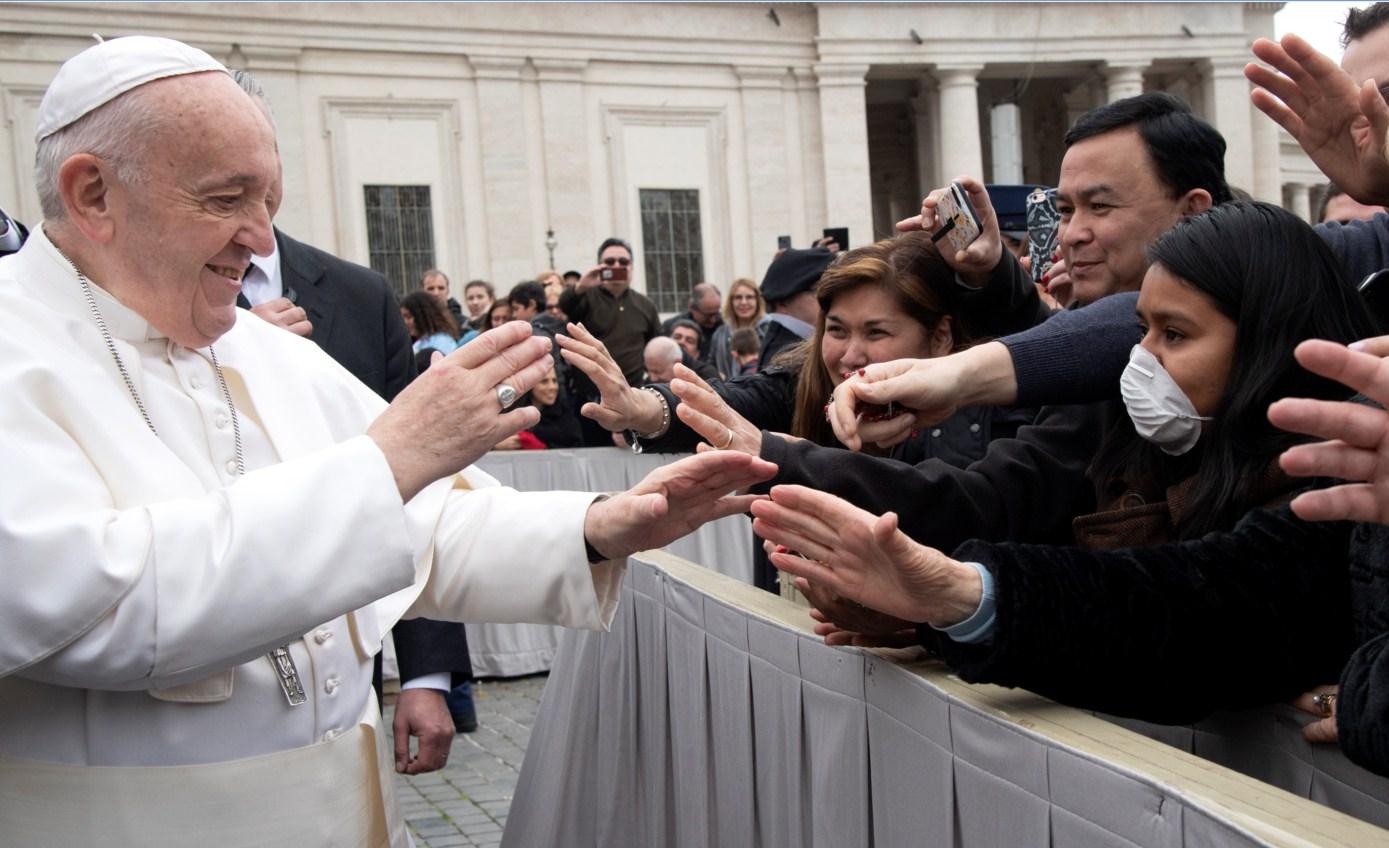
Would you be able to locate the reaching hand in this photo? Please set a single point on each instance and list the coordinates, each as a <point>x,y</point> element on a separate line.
<point>711,417</point>
<point>460,390</point>
<point>1320,702</point>
<point>674,500</point>
<point>619,407</point>
<point>926,391</point>
<point>1340,124</point>
<point>843,622</point>
<point>592,277</point>
<point>1057,283</point>
<point>1357,446</point>
<point>285,315</point>
<point>864,558</point>
<point>424,714</point>
<point>983,254</point>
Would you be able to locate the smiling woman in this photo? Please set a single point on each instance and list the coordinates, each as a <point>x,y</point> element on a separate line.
<point>1192,576</point>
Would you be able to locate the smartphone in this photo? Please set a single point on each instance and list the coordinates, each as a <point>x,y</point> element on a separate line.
<point>614,274</point>
<point>839,235</point>
<point>1375,290</point>
<point>783,242</point>
<point>1043,224</point>
<point>959,222</point>
<point>878,411</point>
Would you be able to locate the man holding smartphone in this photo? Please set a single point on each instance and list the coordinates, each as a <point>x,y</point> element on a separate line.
<point>624,320</point>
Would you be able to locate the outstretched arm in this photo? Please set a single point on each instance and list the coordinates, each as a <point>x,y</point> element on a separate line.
<point>1357,436</point>
<point>1340,123</point>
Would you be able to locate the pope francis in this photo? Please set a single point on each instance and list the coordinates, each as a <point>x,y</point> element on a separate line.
<point>206,523</point>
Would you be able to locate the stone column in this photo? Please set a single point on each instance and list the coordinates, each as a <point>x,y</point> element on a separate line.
<point>1300,201</point>
<point>844,139</point>
<point>925,119</point>
<point>1122,81</point>
<point>767,157</point>
<point>1267,160</point>
<point>961,149</point>
<point>1228,109</point>
<point>506,171</point>
<point>803,124</point>
<point>564,130</point>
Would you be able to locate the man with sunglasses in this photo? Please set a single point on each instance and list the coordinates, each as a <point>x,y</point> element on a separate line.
<point>623,319</point>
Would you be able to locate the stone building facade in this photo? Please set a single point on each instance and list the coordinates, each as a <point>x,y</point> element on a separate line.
<point>458,135</point>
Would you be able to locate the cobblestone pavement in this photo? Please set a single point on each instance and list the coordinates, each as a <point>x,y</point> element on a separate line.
<point>466,802</point>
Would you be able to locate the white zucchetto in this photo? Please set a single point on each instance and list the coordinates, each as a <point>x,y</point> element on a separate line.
<point>105,71</point>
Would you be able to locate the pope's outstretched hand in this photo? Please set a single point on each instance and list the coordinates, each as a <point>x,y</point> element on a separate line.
<point>451,414</point>
<point>674,500</point>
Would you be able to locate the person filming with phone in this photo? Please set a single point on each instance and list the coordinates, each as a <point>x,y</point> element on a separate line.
<point>623,319</point>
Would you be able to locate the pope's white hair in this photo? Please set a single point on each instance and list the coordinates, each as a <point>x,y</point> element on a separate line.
<point>116,132</point>
<point>666,348</point>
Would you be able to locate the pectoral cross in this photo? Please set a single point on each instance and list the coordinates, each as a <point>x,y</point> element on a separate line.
<point>288,674</point>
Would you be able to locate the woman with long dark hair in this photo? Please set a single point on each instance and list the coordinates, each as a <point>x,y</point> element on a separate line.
<point>430,325</point>
<point>889,300</point>
<point>1191,577</point>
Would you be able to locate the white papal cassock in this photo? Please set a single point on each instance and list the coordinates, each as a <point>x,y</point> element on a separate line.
<point>143,582</point>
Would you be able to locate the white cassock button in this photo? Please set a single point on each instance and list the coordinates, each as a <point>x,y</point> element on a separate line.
<point>322,635</point>
<point>935,434</point>
<point>222,421</point>
<point>331,684</point>
<point>974,428</point>
<point>231,466</point>
<point>331,735</point>
<point>195,383</point>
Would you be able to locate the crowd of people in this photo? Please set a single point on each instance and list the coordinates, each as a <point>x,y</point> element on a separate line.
<point>1124,484</point>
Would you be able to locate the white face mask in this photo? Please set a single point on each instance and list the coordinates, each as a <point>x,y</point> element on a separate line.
<point>1160,410</point>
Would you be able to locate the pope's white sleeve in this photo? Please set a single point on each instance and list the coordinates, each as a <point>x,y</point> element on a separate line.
<point>507,556</point>
<point>219,578</point>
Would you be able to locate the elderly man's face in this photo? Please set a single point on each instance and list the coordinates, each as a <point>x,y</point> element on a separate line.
<point>184,236</point>
<point>658,369</point>
<point>706,310</point>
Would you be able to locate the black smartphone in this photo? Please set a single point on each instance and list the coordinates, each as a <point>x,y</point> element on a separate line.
<point>839,235</point>
<point>1375,290</point>
<point>783,242</point>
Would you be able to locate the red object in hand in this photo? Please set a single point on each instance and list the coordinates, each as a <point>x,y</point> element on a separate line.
<point>529,441</point>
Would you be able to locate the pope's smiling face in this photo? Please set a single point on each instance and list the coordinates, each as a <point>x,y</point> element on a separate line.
<point>185,230</point>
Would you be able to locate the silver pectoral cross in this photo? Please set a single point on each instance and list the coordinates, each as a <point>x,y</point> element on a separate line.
<point>288,674</point>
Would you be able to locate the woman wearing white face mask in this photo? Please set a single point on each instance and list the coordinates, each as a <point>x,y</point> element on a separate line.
<point>1192,603</point>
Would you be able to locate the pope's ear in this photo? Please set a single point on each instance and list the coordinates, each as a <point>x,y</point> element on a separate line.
<point>85,185</point>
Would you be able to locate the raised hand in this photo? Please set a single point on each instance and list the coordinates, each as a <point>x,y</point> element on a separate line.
<point>1341,124</point>
<point>1357,446</point>
<point>620,407</point>
<point>864,558</point>
<point>674,500</point>
<point>976,261</point>
<point>928,391</point>
<point>451,415</point>
<point>711,417</point>
<point>284,314</point>
<point>845,622</point>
